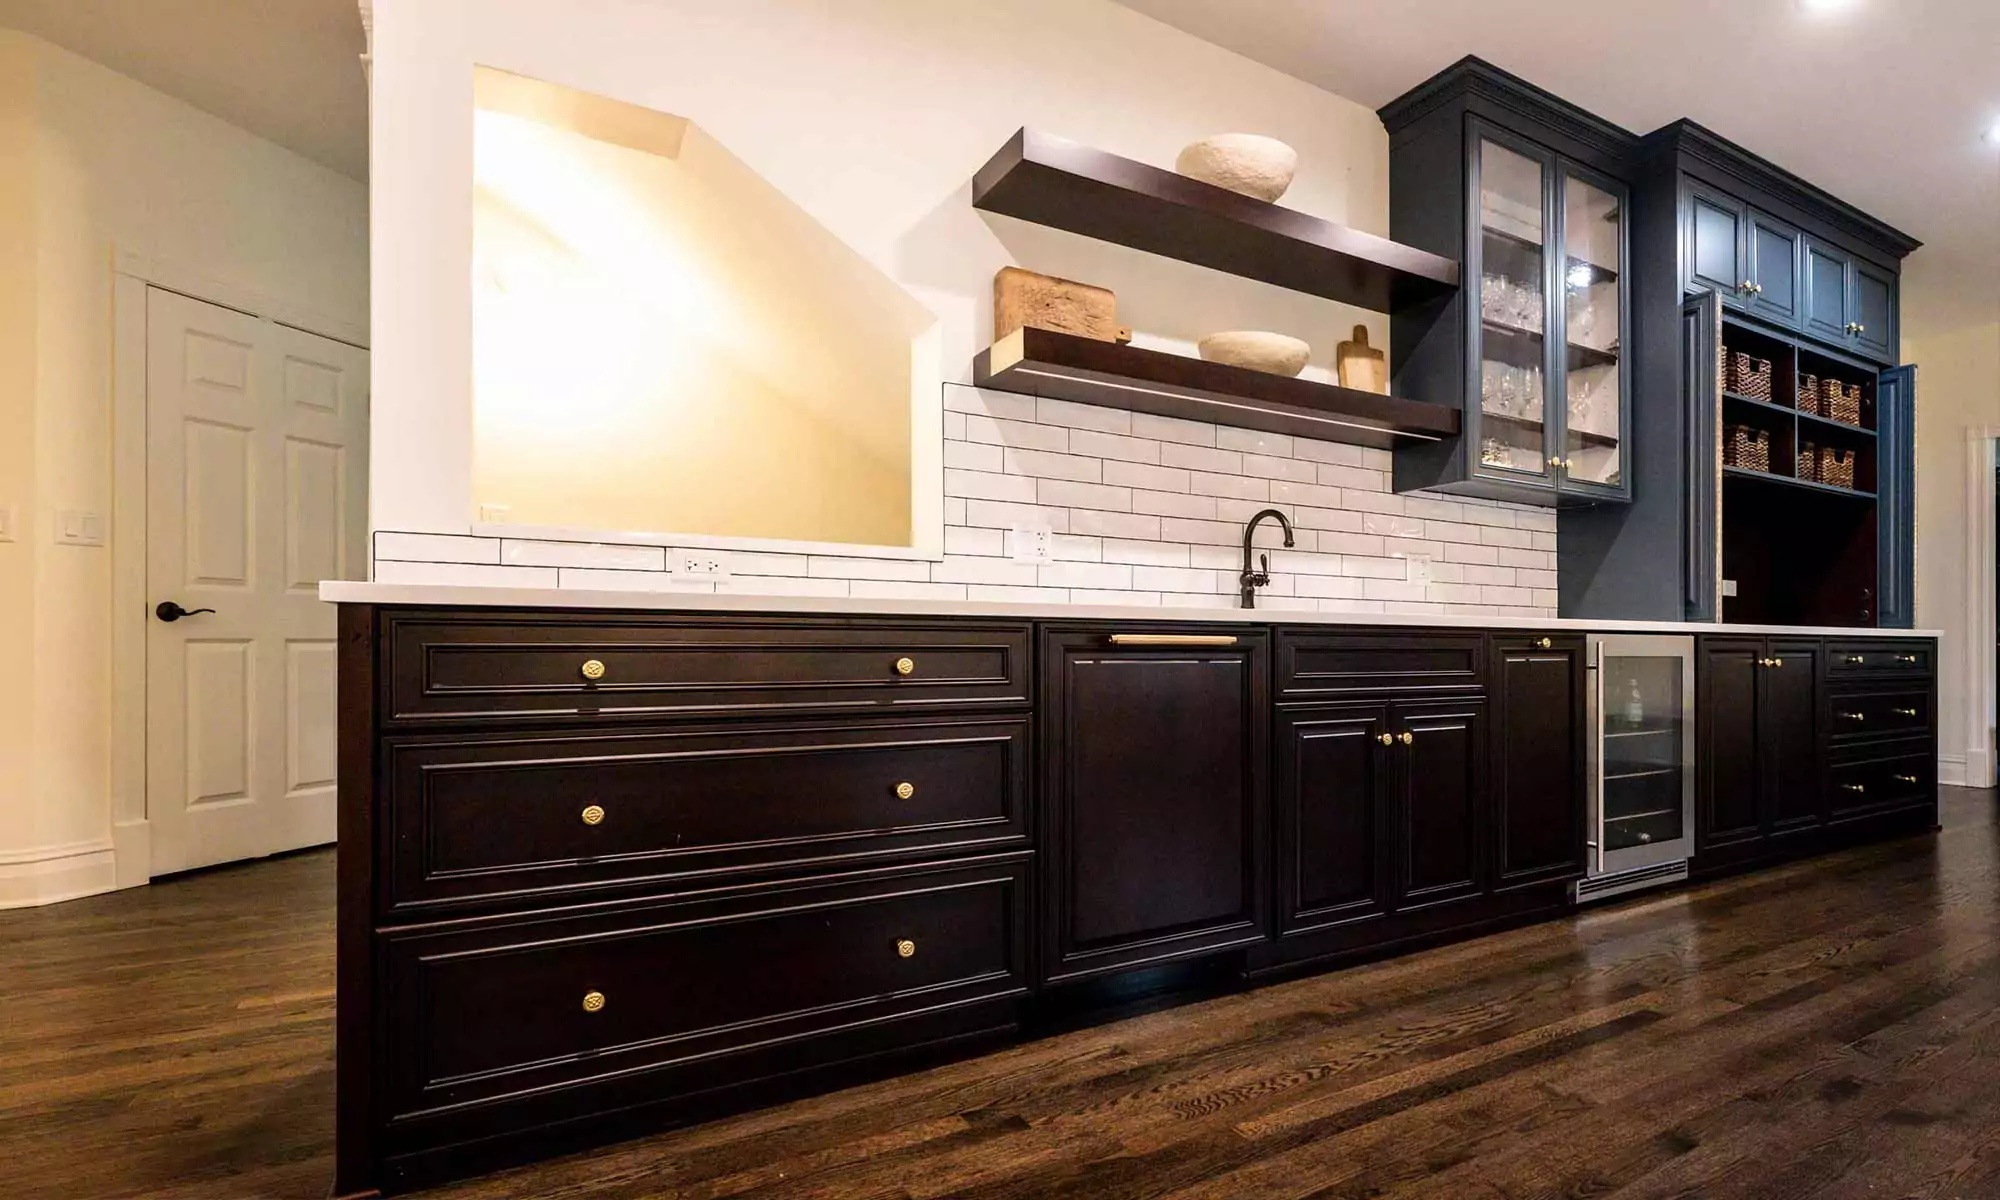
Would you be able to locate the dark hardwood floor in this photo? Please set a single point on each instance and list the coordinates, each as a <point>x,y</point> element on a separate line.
<point>1827,1030</point>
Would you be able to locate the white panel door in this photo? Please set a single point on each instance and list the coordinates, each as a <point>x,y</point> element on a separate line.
<point>256,487</point>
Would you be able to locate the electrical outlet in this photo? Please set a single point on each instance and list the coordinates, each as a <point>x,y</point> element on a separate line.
<point>1729,587</point>
<point>1417,568</point>
<point>701,564</point>
<point>1032,542</point>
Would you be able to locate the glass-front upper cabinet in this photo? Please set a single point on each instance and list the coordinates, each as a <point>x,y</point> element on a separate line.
<point>1552,324</point>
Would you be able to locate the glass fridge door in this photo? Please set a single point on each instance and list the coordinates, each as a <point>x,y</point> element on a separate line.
<point>1645,756</point>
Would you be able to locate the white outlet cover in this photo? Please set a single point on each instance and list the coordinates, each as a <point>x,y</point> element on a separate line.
<point>1032,542</point>
<point>1729,587</point>
<point>698,563</point>
<point>1417,568</point>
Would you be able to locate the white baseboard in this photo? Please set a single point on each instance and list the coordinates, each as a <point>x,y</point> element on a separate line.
<point>132,848</point>
<point>47,874</point>
<point>1972,769</point>
<point>1951,769</point>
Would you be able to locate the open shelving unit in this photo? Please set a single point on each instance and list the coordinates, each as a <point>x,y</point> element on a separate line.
<point>1061,184</point>
<point>1798,549</point>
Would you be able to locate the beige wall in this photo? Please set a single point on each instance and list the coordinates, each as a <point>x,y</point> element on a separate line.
<point>116,168</point>
<point>871,116</point>
<point>1951,330</point>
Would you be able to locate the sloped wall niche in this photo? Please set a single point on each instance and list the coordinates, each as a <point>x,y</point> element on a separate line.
<point>664,343</point>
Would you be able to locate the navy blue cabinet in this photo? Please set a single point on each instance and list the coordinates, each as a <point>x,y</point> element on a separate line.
<point>1850,303</point>
<point>1871,302</point>
<point>1774,270</point>
<point>1896,498</point>
<point>1715,257</point>
<point>1826,310</point>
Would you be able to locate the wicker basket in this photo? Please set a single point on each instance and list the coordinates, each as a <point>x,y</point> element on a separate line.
<point>1808,397</point>
<point>1747,447</point>
<point>1808,463</point>
<point>1837,468</point>
<point>1843,401</point>
<point>1749,375</point>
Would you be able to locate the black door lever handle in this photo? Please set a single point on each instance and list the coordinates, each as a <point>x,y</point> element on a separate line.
<point>170,612</point>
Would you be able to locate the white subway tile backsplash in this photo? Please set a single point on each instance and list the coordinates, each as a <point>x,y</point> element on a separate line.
<point>435,548</point>
<point>517,553</point>
<point>1143,510</point>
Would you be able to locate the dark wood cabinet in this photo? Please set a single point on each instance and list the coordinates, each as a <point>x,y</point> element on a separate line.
<point>1538,784</point>
<point>1761,744</point>
<point>1440,800</point>
<point>1331,795</point>
<point>1154,795</point>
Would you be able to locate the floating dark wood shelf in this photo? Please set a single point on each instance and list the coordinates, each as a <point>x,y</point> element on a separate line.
<point>1059,183</point>
<point>1748,475</point>
<point>1039,362</point>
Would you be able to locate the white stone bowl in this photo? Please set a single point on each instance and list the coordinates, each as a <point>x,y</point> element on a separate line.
<point>1250,163</point>
<point>1259,351</point>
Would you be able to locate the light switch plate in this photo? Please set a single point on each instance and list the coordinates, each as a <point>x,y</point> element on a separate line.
<point>1729,587</point>
<point>79,527</point>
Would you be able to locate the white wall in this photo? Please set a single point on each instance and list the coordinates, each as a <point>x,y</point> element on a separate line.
<point>114,168</point>
<point>1951,330</point>
<point>872,116</point>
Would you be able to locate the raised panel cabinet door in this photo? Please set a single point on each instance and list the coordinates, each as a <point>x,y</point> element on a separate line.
<point>1791,762</point>
<point>1538,760</point>
<point>1330,794</point>
<point>1825,282</point>
<point>1714,249</point>
<point>1728,675</point>
<point>1441,755</point>
<point>1871,300</point>
<point>1774,270</point>
<point>1155,787</point>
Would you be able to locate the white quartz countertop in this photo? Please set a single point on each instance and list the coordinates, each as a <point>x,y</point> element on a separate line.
<point>460,596</point>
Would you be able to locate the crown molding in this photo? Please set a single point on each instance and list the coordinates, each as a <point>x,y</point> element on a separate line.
<point>1473,77</point>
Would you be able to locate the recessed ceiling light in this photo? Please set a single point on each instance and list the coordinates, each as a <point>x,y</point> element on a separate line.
<point>1825,7</point>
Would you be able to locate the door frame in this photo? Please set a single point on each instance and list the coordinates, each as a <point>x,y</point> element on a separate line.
<point>132,276</point>
<point>1978,766</point>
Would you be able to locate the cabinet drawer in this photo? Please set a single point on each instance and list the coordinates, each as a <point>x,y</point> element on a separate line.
<point>1894,777</point>
<point>511,816</point>
<point>477,1015</point>
<point>545,665</point>
<point>1887,713</point>
<point>1906,657</point>
<point>1316,663</point>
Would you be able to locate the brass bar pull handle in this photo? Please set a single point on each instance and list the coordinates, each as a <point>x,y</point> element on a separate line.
<point>1906,779</point>
<point>1855,660</point>
<point>1853,787</point>
<point>1906,712</point>
<point>1910,659</point>
<point>1848,716</point>
<point>1173,639</point>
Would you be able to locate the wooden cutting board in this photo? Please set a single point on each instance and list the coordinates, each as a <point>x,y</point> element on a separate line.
<point>1025,298</point>
<point>1361,366</point>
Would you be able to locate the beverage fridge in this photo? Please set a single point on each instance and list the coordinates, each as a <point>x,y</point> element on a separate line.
<point>1641,766</point>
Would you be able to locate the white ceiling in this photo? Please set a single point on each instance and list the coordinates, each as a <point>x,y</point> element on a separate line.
<point>1885,105</point>
<point>286,70</point>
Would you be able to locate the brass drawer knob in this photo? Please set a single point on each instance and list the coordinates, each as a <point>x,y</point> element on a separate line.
<point>593,814</point>
<point>1906,712</point>
<point>1406,737</point>
<point>593,1002</point>
<point>1910,659</point>
<point>1852,787</point>
<point>1545,643</point>
<point>1387,739</point>
<point>904,666</point>
<point>593,669</point>
<point>1855,660</point>
<point>905,790</point>
<point>1848,716</point>
<point>905,948</point>
<point>1906,779</point>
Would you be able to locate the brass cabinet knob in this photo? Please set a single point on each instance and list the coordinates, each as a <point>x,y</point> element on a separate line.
<point>905,790</point>
<point>905,948</point>
<point>1855,660</point>
<point>905,665</point>
<point>1746,286</point>
<point>1906,779</point>
<point>1545,643</point>
<point>1860,328</point>
<point>1387,739</point>
<point>1852,787</point>
<point>1555,461</point>
<point>1906,712</point>
<point>593,814</point>
<point>593,1002</point>
<point>1406,737</point>
<point>593,669</point>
